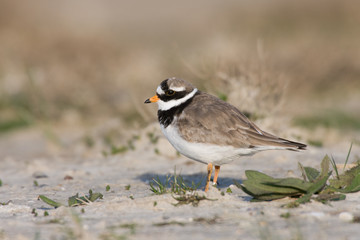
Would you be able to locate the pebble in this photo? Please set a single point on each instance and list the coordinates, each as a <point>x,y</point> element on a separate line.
<point>346,217</point>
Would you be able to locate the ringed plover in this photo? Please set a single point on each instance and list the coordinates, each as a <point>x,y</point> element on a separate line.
<point>209,130</point>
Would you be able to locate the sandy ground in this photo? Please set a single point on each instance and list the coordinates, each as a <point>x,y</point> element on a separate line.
<point>139,214</point>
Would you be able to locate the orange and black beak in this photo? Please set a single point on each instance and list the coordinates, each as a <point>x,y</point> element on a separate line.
<point>152,99</point>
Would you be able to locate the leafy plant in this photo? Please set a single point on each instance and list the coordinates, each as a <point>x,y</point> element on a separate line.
<point>265,188</point>
<point>73,201</point>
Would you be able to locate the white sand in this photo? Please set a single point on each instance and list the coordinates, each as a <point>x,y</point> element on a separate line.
<point>231,216</point>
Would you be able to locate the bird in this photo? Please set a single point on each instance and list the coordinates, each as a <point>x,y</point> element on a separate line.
<point>209,130</point>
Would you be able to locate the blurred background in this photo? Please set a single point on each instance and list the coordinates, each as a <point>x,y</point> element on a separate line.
<point>78,72</point>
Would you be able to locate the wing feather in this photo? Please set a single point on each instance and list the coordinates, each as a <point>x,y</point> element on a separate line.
<point>217,122</point>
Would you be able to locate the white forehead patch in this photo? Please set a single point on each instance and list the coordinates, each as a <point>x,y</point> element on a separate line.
<point>159,90</point>
<point>178,89</point>
<point>164,106</point>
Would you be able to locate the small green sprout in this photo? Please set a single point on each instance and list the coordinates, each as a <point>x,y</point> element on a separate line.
<point>285,215</point>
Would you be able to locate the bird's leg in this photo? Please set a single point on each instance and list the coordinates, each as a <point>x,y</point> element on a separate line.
<point>209,170</point>
<point>217,170</point>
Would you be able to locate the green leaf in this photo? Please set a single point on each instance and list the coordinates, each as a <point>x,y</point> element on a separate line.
<point>72,201</point>
<point>94,196</point>
<point>49,201</point>
<point>315,187</point>
<point>294,183</point>
<point>258,188</point>
<point>304,199</point>
<point>303,173</point>
<point>258,176</point>
<point>338,197</point>
<point>354,185</point>
<point>264,188</point>
<point>325,163</point>
<point>319,184</point>
<point>324,197</point>
<point>311,173</point>
<point>269,197</point>
<point>267,181</point>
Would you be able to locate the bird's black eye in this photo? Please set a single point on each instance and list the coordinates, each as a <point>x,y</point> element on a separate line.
<point>169,92</point>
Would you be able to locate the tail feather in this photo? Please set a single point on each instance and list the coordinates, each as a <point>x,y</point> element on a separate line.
<point>296,145</point>
<point>269,140</point>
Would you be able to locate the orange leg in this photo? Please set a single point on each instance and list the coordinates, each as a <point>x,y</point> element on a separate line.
<point>217,170</point>
<point>209,170</point>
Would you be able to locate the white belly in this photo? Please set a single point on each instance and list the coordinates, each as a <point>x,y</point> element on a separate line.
<point>202,152</point>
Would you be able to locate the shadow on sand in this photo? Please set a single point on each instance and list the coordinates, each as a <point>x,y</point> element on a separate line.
<point>195,178</point>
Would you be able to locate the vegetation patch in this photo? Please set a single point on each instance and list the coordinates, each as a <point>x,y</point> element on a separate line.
<point>314,184</point>
<point>173,184</point>
<point>21,120</point>
<point>192,198</point>
<point>5,203</point>
<point>181,190</point>
<point>329,119</point>
<point>315,143</point>
<point>73,201</point>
